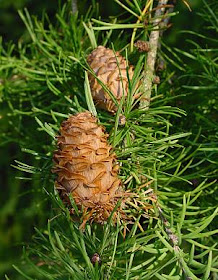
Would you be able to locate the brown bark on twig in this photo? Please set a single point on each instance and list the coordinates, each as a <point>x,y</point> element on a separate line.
<point>151,58</point>
<point>149,78</point>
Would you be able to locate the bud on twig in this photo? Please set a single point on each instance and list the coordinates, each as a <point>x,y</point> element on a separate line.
<point>142,46</point>
<point>156,80</point>
<point>161,65</point>
<point>122,120</point>
<point>96,259</point>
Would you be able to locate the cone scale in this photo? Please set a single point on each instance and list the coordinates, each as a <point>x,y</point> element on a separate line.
<point>111,69</point>
<point>86,167</point>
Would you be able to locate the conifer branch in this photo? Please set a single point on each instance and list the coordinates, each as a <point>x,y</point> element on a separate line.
<point>41,84</point>
<point>174,240</point>
<point>151,57</point>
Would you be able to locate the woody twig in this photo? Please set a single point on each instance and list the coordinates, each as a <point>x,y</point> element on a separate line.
<point>151,57</point>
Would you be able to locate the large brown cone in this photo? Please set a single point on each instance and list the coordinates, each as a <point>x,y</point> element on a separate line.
<point>111,70</point>
<point>86,168</point>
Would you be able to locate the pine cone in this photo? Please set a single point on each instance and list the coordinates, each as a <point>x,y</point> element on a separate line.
<point>111,70</point>
<point>86,167</point>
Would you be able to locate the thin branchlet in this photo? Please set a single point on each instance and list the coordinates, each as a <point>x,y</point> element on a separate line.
<point>151,57</point>
<point>173,239</point>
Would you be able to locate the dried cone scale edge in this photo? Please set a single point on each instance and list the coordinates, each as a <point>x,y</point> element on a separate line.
<point>86,168</point>
<point>111,69</point>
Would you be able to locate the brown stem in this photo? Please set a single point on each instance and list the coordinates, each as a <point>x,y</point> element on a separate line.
<point>151,57</point>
